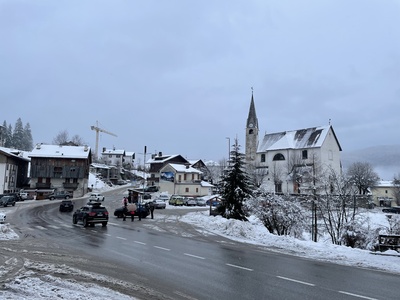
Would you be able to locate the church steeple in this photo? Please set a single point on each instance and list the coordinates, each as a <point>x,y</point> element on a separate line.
<point>252,121</point>
<point>251,132</point>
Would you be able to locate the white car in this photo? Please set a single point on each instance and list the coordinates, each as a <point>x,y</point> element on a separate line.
<point>96,197</point>
<point>2,217</point>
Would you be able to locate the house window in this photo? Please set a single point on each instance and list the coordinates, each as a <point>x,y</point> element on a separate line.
<point>179,178</point>
<point>278,187</point>
<point>251,131</point>
<point>304,154</point>
<point>197,190</point>
<point>263,157</point>
<point>184,176</point>
<point>279,156</point>
<point>192,176</point>
<point>187,190</point>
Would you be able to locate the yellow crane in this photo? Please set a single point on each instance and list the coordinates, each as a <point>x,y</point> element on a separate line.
<point>98,129</point>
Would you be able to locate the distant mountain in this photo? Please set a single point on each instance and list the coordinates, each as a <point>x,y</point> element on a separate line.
<point>384,159</point>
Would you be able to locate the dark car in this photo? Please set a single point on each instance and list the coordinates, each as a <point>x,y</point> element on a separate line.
<point>392,210</point>
<point>151,189</point>
<point>91,214</point>
<point>66,205</point>
<point>142,208</point>
<point>7,200</point>
<point>60,195</point>
<point>146,196</point>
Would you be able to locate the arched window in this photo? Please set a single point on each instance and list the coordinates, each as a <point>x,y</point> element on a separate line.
<point>279,156</point>
<point>251,131</point>
<point>263,157</point>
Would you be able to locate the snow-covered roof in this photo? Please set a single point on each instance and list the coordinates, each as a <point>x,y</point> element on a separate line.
<point>312,137</point>
<point>206,184</point>
<point>56,151</point>
<point>15,153</point>
<point>129,153</point>
<point>184,169</point>
<point>162,158</point>
<point>113,152</point>
<point>99,166</point>
<point>385,183</point>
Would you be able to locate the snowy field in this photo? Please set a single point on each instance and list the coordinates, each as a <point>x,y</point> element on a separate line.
<point>253,232</point>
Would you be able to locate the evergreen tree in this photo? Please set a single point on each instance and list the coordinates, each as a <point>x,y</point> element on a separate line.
<point>8,141</point>
<point>236,186</point>
<point>18,135</point>
<point>28,140</point>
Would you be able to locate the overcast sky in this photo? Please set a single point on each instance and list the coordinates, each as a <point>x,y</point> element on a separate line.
<point>176,75</point>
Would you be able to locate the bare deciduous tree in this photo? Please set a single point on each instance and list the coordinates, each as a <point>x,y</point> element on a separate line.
<point>62,138</point>
<point>362,175</point>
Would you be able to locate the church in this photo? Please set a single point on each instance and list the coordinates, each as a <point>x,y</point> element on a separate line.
<point>291,162</point>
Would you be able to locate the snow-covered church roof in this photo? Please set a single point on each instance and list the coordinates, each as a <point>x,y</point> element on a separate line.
<point>297,139</point>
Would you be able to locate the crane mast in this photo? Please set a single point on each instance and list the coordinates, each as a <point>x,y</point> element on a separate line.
<point>98,130</point>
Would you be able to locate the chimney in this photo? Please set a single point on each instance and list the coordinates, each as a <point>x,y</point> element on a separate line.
<point>85,148</point>
<point>38,146</point>
<point>160,154</point>
<point>104,149</point>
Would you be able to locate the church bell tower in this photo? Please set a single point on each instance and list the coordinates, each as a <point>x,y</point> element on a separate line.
<point>251,133</point>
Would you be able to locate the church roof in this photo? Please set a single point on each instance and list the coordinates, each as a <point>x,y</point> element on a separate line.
<point>312,137</point>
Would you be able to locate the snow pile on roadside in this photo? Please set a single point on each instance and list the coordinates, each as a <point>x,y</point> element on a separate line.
<point>30,285</point>
<point>255,233</point>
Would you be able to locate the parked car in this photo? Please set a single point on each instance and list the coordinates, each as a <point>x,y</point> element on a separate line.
<point>151,189</point>
<point>7,200</point>
<point>200,202</point>
<point>189,201</point>
<point>91,214</point>
<point>176,200</point>
<point>146,196</point>
<point>2,217</point>
<point>392,210</point>
<point>213,202</point>
<point>60,195</point>
<point>159,203</point>
<point>164,197</point>
<point>66,205</point>
<point>142,209</point>
<point>96,197</point>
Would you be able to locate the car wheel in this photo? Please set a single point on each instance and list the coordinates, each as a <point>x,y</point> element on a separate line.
<point>13,204</point>
<point>66,197</point>
<point>104,224</point>
<point>85,222</point>
<point>51,198</point>
<point>74,220</point>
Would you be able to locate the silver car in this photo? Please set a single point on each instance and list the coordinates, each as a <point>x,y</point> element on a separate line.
<point>159,203</point>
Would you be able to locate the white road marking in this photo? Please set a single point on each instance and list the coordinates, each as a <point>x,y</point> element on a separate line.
<point>54,226</point>
<point>358,296</point>
<point>121,238</point>
<point>41,227</point>
<point>162,248</point>
<point>139,243</point>
<point>297,281</point>
<point>195,256</point>
<point>239,267</point>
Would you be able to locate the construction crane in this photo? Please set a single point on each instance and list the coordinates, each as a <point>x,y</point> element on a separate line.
<point>98,129</point>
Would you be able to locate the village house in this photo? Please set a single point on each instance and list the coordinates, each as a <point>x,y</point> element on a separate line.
<point>60,168</point>
<point>183,180</point>
<point>13,170</point>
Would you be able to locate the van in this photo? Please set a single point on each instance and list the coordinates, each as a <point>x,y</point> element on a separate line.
<point>176,200</point>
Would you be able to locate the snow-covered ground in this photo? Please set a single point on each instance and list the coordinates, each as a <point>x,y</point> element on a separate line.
<point>253,232</point>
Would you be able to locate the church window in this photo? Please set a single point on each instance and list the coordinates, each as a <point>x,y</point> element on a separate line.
<point>279,156</point>
<point>278,187</point>
<point>263,157</point>
<point>304,154</point>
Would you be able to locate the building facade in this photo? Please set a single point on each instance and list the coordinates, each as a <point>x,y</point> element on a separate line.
<point>289,161</point>
<point>55,167</point>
